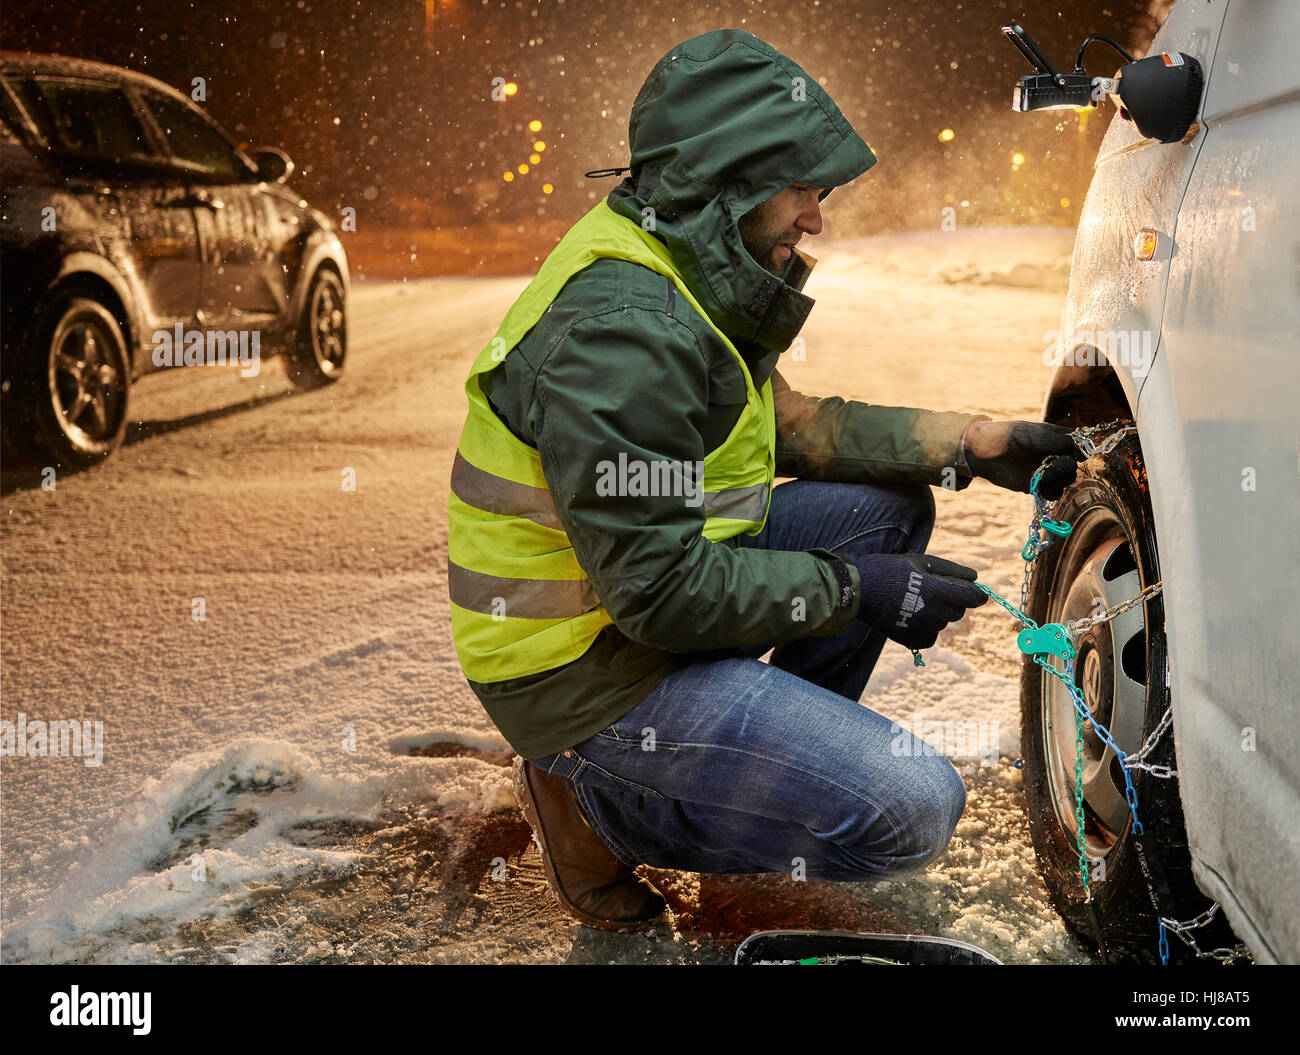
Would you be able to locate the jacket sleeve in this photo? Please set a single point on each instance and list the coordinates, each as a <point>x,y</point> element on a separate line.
<point>632,383</point>
<point>845,441</point>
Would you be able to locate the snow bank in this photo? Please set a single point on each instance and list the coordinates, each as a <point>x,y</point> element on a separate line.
<point>172,855</point>
<point>1023,257</point>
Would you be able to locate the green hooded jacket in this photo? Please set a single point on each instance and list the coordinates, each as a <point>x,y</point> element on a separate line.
<point>622,365</point>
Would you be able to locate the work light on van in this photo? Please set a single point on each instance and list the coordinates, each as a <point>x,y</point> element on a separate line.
<point>1159,93</point>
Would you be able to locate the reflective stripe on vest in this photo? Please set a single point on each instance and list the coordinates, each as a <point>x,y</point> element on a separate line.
<point>529,598</point>
<point>499,495</point>
<point>520,602</point>
<point>495,494</point>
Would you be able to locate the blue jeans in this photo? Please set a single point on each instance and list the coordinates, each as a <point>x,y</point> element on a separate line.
<point>732,765</point>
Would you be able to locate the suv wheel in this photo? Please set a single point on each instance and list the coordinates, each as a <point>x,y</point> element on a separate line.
<point>75,385</point>
<point>319,348</point>
<point>1109,556</point>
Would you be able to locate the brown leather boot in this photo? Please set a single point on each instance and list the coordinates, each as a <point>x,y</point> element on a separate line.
<point>590,883</point>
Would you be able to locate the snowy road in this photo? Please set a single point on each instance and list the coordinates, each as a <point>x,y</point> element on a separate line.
<point>302,774</point>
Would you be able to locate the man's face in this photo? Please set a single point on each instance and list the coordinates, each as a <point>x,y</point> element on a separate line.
<point>770,229</point>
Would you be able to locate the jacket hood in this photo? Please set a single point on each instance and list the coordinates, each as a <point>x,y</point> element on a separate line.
<point>722,123</point>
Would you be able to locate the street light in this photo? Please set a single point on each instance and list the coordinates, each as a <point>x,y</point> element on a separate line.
<point>430,18</point>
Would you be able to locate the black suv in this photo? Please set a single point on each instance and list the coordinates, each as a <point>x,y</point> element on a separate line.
<point>136,236</point>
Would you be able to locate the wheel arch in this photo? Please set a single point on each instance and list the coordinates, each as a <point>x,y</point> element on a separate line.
<point>88,274</point>
<point>1086,395</point>
<point>324,254</point>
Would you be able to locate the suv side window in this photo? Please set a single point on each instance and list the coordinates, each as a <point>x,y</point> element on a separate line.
<point>85,117</point>
<point>17,164</point>
<point>195,142</point>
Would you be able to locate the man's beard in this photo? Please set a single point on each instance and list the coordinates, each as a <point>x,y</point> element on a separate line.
<point>760,242</point>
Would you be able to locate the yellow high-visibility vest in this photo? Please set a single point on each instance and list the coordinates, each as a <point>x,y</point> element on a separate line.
<point>520,602</point>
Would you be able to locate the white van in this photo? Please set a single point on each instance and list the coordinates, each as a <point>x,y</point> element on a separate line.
<point>1186,277</point>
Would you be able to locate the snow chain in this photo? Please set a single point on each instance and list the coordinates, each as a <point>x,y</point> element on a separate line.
<point>1183,932</point>
<point>1057,639</point>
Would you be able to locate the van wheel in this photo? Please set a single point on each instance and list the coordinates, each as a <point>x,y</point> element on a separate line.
<point>75,383</point>
<point>319,348</point>
<point>1109,556</point>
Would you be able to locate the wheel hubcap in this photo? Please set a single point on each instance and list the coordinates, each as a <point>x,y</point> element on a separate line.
<point>85,383</point>
<point>1097,571</point>
<point>327,328</point>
